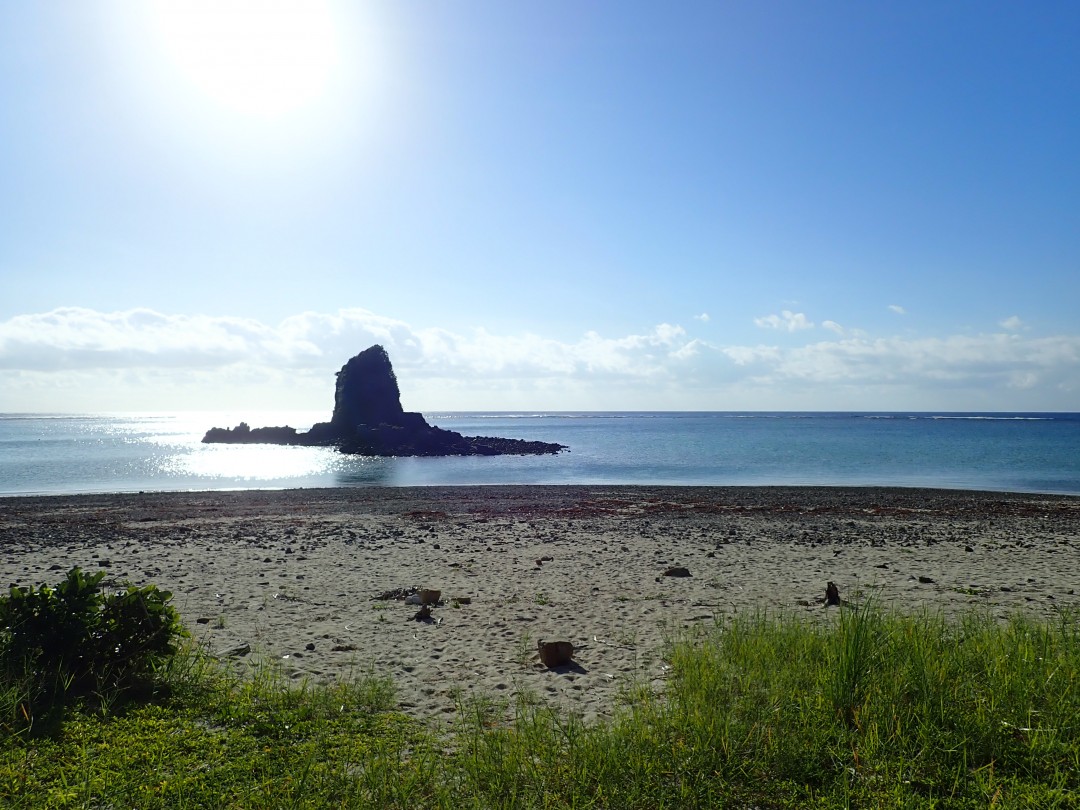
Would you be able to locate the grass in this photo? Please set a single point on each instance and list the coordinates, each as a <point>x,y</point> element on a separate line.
<point>870,709</point>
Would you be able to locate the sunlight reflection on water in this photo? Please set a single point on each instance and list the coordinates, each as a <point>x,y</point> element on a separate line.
<point>253,462</point>
<point>180,456</point>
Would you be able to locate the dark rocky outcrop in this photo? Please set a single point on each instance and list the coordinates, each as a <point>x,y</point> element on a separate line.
<point>242,434</point>
<point>368,420</point>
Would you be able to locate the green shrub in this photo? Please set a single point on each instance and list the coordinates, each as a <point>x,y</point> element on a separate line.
<point>74,641</point>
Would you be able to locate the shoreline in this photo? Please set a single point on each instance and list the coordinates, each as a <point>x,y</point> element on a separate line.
<point>545,492</point>
<point>291,577</point>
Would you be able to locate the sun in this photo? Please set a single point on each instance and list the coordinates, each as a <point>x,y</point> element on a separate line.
<point>263,58</point>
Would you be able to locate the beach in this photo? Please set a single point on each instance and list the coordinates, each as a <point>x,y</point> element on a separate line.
<point>311,580</point>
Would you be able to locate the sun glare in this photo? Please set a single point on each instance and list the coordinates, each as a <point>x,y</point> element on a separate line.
<point>262,58</point>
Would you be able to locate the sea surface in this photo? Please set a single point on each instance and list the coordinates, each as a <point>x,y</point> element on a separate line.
<point>93,453</point>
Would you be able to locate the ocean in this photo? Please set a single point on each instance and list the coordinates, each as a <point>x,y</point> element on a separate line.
<point>94,453</point>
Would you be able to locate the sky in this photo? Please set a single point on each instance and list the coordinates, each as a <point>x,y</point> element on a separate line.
<point>755,205</point>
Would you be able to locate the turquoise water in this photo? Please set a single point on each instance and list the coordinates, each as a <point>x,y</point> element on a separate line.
<point>59,454</point>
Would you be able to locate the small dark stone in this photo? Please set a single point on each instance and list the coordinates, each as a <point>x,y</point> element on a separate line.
<point>310,646</point>
<point>202,620</point>
<point>926,580</point>
<point>555,653</point>
<point>832,594</point>
<point>968,549</point>
<point>677,571</point>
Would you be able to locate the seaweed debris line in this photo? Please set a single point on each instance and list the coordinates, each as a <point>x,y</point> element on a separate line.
<point>368,420</point>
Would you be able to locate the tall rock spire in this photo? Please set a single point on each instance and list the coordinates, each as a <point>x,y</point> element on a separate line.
<point>367,392</point>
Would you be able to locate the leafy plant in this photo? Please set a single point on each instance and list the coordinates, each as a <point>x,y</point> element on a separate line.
<point>74,641</point>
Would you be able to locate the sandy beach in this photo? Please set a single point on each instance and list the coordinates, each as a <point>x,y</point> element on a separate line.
<point>307,579</point>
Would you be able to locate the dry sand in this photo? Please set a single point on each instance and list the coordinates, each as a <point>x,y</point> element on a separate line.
<point>292,577</point>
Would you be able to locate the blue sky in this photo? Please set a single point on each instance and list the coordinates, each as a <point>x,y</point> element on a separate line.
<point>608,205</point>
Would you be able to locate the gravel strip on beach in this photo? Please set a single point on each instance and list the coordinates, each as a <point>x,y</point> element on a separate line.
<point>294,577</point>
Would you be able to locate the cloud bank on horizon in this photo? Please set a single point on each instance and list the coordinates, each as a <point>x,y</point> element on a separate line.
<point>81,359</point>
<point>563,206</point>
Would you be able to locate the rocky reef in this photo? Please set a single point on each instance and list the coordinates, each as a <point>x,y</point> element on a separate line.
<point>368,420</point>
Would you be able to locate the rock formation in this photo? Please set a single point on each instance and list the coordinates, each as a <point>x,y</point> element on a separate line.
<point>367,392</point>
<point>368,420</point>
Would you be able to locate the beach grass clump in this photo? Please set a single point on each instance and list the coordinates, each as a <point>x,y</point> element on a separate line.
<point>869,709</point>
<point>895,706</point>
<point>864,709</point>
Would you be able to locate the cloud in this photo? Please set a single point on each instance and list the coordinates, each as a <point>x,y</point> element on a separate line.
<point>993,361</point>
<point>1012,323</point>
<point>703,317</point>
<point>80,359</point>
<point>899,310</point>
<point>73,337</point>
<point>786,320</point>
<point>76,338</point>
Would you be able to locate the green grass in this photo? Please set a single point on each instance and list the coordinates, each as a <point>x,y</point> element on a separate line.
<point>867,709</point>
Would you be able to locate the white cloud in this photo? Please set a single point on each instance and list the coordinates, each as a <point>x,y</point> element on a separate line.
<point>73,337</point>
<point>983,359</point>
<point>703,317</point>
<point>70,343</point>
<point>1012,323</point>
<point>899,310</point>
<point>786,320</point>
<point>79,359</point>
<point>750,355</point>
